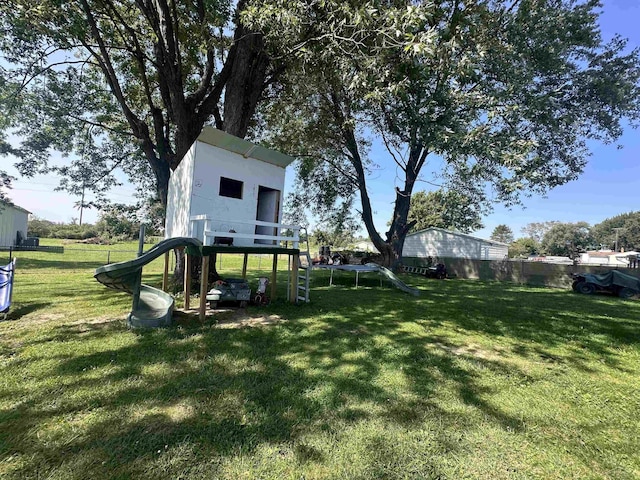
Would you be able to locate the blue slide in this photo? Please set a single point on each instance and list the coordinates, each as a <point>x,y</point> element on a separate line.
<point>151,306</point>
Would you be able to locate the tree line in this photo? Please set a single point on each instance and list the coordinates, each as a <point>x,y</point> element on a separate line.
<point>618,233</point>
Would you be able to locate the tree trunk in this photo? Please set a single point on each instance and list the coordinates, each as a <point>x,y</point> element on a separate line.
<point>246,82</point>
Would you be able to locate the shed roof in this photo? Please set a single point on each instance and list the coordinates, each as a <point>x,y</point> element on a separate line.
<point>466,235</point>
<point>5,203</point>
<point>231,143</point>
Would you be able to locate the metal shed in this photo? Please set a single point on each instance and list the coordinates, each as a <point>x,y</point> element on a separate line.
<point>13,224</point>
<point>439,243</point>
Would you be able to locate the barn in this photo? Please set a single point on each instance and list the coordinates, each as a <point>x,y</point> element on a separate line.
<point>225,187</point>
<point>439,243</point>
<point>13,224</point>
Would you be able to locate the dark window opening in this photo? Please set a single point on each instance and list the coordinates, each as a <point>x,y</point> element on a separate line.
<point>230,188</point>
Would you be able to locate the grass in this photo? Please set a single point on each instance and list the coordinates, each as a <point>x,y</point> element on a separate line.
<point>470,380</point>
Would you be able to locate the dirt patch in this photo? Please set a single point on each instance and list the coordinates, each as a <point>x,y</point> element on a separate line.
<point>229,318</point>
<point>239,318</point>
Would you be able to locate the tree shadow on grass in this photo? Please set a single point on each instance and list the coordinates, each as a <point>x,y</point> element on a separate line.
<point>351,357</point>
<point>19,310</point>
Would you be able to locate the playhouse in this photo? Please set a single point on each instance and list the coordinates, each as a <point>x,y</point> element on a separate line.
<point>227,190</point>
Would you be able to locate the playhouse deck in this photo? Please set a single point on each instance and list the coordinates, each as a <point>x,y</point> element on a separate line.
<point>203,253</point>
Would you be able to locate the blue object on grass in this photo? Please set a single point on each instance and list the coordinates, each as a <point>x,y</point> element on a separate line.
<point>6,286</point>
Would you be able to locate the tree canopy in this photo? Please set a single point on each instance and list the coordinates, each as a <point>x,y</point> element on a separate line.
<point>506,93</point>
<point>502,233</point>
<point>443,209</point>
<point>621,232</point>
<point>567,239</point>
<point>537,230</point>
<point>523,248</point>
<point>123,83</point>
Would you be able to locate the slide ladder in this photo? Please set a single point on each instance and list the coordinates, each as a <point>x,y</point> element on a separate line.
<point>304,276</point>
<point>304,272</point>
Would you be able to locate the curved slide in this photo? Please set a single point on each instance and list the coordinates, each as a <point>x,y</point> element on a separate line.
<point>151,306</point>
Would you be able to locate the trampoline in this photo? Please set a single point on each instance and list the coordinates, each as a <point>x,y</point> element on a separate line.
<point>358,269</point>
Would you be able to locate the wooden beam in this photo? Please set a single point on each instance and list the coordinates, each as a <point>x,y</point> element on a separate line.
<point>274,276</point>
<point>293,283</point>
<point>187,280</point>
<point>244,266</point>
<point>165,273</point>
<point>204,288</point>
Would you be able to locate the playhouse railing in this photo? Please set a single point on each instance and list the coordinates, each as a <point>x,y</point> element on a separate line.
<point>208,235</point>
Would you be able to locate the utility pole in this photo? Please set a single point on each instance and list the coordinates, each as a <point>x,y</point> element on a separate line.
<point>617,230</point>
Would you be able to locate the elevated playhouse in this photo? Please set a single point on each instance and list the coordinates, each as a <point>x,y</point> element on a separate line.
<point>224,197</point>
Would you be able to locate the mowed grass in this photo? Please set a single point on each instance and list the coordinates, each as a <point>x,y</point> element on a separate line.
<point>469,380</point>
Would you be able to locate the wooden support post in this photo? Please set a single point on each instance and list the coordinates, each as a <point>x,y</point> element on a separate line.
<point>293,284</point>
<point>204,288</point>
<point>244,266</point>
<point>165,273</point>
<point>274,276</point>
<point>187,280</point>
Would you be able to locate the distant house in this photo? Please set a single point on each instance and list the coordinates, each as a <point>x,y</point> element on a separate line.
<point>439,243</point>
<point>608,257</point>
<point>13,224</point>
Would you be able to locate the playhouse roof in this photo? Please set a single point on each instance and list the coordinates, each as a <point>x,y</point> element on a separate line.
<point>229,142</point>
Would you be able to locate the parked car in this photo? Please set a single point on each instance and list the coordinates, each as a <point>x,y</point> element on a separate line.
<point>618,283</point>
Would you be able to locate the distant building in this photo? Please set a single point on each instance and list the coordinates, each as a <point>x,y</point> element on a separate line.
<point>607,257</point>
<point>13,224</point>
<point>439,243</point>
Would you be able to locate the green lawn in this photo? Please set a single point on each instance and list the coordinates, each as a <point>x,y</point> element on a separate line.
<point>470,380</point>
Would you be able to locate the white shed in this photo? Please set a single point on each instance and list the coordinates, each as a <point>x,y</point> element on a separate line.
<point>226,184</point>
<point>437,242</point>
<point>13,224</point>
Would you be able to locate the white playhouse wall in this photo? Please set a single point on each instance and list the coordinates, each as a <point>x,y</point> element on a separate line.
<point>194,189</point>
<point>179,197</point>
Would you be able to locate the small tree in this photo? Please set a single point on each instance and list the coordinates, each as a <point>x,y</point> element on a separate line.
<point>567,239</point>
<point>523,248</point>
<point>537,230</point>
<point>502,233</point>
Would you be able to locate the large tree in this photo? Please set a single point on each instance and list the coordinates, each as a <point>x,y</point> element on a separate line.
<point>505,93</point>
<point>126,83</point>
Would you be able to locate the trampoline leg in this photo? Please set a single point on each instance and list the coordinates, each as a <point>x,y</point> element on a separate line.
<point>356,279</point>
<point>331,278</point>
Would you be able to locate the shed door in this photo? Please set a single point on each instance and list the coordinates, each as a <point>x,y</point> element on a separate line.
<point>267,211</point>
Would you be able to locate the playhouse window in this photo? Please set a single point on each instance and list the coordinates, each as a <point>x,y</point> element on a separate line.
<point>230,188</point>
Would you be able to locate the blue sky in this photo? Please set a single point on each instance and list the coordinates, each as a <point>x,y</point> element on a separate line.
<point>609,185</point>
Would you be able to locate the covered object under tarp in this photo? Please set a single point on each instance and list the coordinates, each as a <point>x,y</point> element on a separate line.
<point>614,277</point>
